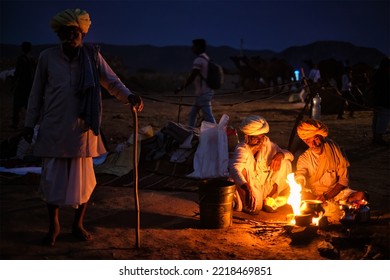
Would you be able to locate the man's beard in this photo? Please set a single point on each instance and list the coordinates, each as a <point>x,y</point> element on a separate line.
<point>317,148</point>
<point>255,147</point>
<point>71,44</point>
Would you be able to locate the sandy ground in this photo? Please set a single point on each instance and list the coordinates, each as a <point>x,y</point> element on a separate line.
<point>170,222</point>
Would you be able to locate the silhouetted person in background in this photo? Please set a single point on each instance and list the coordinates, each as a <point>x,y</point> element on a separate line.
<point>204,94</point>
<point>314,74</point>
<point>346,92</point>
<point>314,79</point>
<point>23,80</point>
<point>381,116</point>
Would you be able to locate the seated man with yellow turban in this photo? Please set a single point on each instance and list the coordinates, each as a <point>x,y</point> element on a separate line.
<point>322,170</point>
<point>259,169</point>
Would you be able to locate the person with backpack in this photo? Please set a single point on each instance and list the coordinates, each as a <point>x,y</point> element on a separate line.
<point>199,76</point>
<point>23,79</point>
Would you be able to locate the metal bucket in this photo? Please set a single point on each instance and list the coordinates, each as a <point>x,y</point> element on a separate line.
<point>216,203</point>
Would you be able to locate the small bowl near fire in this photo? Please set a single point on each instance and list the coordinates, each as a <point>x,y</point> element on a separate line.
<point>303,220</point>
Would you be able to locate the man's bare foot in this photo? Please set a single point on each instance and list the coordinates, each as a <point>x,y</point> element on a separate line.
<point>51,236</point>
<point>81,234</point>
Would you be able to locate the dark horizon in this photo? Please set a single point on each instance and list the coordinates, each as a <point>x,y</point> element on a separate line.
<point>175,59</point>
<point>209,45</point>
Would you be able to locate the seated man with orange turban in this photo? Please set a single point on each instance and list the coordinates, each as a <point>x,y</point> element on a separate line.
<point>259,169</point>
<point>322,170</point>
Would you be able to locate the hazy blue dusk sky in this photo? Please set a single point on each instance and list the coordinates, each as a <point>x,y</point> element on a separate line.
<point>274,25</point>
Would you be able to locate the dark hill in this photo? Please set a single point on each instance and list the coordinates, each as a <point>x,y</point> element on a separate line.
<point>177,59</point>
<point>341,51</point>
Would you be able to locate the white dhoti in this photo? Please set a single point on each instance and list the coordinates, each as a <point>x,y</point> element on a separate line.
<point>67,181</point>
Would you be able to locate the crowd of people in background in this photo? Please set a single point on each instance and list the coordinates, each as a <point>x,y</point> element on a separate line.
<point>376,86</point>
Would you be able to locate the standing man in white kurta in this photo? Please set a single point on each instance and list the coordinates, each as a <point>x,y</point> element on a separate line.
<point>65,101</point>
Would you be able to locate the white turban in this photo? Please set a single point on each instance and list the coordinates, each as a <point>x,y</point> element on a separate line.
<point>254,125</point>
<point>310,128</point>
<point>71,17</point>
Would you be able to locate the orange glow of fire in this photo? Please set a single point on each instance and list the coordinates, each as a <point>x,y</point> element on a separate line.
<point>295,194</point>
<point>295,200</point>
<point>316,220</point>
<point>292,220</point>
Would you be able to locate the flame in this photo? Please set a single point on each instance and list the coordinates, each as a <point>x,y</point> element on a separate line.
<point>295,200</point>
<point>295,194</point>
<point>316,220</point>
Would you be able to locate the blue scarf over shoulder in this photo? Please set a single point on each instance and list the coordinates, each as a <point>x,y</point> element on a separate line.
<point>90,91</point>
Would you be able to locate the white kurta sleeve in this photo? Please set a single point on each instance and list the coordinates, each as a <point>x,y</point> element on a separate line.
<point>111,82</point>
<point>238,164</point>
<point>302,170</point>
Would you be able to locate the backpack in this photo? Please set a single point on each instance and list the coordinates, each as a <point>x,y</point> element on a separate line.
<point>215,74</point>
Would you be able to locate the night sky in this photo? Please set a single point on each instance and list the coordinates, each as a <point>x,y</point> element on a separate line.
<point>260,25</point>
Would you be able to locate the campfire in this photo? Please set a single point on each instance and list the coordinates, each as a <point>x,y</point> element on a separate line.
<point>305,212</point>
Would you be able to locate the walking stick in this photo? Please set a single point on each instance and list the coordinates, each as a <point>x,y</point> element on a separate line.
<point>135,177</point>
<point>179,110</point>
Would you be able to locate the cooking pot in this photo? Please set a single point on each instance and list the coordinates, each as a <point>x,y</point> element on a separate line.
<point>312,207</point>
<point>355,213</point>
<point>303,220</point>
<point>348,218</point>
<point>363,214</point>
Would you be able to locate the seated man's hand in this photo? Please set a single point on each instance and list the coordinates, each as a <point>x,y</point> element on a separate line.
<point>250,198</point>
<point>322,197</point>
<point>300,180</point>
<point>358,196</point>
<point>276,162</point>
<point>274,191</point>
